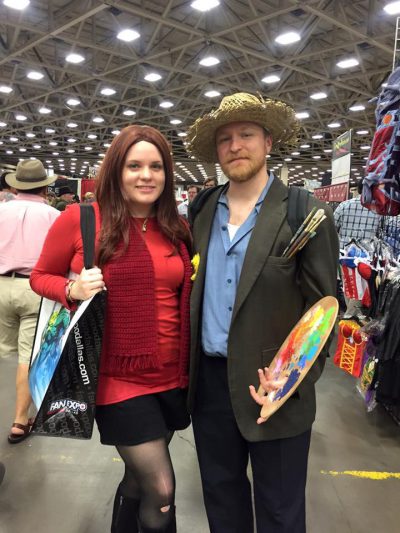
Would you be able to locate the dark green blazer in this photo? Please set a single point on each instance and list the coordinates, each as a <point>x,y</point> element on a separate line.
<point>272,295</point>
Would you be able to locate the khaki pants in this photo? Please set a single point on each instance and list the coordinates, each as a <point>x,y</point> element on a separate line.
<point>19,307</point>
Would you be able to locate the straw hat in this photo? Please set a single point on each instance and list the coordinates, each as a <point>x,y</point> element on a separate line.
<point>275,116</point>
<point>30,173</point>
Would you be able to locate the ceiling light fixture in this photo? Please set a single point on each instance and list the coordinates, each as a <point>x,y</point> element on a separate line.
<point>74,58</point>
<point>272,78</point>
<point>44,110</point>
<point>72,125</point>
<point>204,5</point>
<point>362,132</point>
<point>21,117</point>
<point>98,119</point>
<point>212,94</point>
<point>334,125</point>
<point>108,91</point>
<point>302,114</point>
<point>35,75</point>
<point>129,112</point>
<point>318,96</point>
<point>153,76</point>
<point>166,104</point>
<point>209,61</point>
<point>357,107</point>
<point>17,4</point>
<point>128,35</point>
<point>175,121</point>
<point>393,8</point>
<point>73,101</point>
<point>288,38</point>
<point>348,63</point>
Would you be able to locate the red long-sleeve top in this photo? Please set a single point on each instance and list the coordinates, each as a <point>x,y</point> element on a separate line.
<point>63,252</point>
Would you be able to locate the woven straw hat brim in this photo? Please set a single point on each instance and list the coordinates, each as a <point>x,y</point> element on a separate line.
<point>12,181</point>
<point>275,116</point>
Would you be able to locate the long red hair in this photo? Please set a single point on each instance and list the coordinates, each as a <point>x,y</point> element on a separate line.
<point>114,207</point>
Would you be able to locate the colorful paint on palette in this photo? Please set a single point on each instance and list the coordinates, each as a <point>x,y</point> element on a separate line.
<point>301,347</point>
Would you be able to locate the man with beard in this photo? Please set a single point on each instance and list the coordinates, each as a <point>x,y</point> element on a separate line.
<point>246,298</point>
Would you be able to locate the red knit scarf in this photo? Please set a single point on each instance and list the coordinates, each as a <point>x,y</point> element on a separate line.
<point>131,331</point>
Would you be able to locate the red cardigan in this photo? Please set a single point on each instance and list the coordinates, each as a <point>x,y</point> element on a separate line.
<point>63,252</point>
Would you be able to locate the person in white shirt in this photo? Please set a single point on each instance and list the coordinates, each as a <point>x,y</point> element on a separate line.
<point>192,192</point>
<point>24,223</point>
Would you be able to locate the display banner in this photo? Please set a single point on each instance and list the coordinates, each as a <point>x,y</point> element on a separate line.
<point>333,193</point>
<point>341,158</point>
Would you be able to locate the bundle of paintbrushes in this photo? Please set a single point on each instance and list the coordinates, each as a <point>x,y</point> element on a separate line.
<point>305,232</point>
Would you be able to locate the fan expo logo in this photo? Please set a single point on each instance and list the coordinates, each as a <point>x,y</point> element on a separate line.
<point>79,349</point>
<point>67,406</point>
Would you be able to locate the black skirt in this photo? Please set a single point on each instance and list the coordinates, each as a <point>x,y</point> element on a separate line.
<point>143,418</point>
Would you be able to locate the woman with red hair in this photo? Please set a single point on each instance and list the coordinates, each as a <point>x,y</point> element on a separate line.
<point>143,261</point>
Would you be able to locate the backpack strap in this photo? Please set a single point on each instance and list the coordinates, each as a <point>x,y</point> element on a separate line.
<point>297,207</point>
<point>88,231</point>
<point>200,199</point>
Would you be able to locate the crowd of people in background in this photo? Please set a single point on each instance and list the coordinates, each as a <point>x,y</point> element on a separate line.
<point>66,196</point>
<point>58,197</point>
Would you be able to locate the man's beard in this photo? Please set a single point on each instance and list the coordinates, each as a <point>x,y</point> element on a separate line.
<point>245,172</point>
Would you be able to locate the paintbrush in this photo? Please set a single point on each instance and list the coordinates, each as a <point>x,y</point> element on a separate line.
<point>307,233</point>
<point>299,230</point>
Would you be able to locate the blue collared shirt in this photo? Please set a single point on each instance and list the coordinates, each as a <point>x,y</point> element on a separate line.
<point>224,265</point>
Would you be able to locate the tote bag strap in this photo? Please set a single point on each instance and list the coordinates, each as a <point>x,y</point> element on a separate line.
<point>88,231</point>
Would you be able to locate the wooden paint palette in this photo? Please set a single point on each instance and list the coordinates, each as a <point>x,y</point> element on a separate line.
<point>298,353</point>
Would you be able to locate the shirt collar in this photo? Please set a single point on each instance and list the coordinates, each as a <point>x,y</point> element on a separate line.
<point>30,197</point>
<point>224,201</point>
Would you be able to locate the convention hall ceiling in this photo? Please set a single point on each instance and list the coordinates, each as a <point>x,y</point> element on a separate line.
<point>66,113</point>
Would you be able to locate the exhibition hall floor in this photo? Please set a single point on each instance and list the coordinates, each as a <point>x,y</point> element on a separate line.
<point>66,486</point>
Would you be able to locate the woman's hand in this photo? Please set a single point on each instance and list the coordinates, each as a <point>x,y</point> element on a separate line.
<point>267,384</point>
<point>87,284</point>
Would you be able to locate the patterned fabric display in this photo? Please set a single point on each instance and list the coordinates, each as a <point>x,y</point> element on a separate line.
<point>381,187</point>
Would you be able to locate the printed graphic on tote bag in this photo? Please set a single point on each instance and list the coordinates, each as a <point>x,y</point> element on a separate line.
<point>46,360</point>
<point>50,340</point>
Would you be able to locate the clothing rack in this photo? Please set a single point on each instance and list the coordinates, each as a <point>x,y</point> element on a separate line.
<point>393,411</point>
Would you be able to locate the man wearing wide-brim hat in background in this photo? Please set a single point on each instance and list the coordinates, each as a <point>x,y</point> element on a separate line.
<point>24,223</point>
<point>246,298</point>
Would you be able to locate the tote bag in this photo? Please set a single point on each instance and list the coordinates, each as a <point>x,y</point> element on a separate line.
<point>65,356</point>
